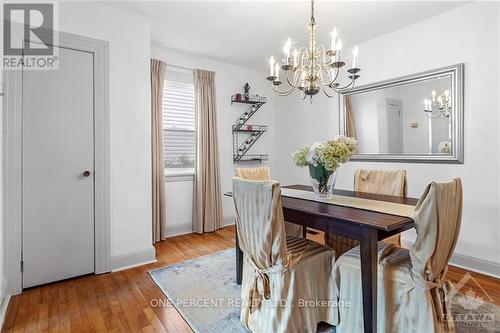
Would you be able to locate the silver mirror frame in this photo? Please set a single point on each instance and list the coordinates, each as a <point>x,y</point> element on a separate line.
<point>457,120</point>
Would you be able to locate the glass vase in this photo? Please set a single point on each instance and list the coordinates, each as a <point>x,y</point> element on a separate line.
<point>322,181</point>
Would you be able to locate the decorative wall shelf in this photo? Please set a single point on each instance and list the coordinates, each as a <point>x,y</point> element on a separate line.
<point>245,135</point>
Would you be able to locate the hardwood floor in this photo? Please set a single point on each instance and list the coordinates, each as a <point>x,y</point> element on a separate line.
<point>122,301</point>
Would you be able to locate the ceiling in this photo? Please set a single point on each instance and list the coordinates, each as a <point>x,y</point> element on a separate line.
<point>248,32</point>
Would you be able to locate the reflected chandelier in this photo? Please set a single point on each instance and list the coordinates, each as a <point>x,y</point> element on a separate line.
<point>313,68</point>
<point>442,104</point>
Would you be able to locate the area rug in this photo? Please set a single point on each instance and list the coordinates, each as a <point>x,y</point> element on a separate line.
<point>205,293</point>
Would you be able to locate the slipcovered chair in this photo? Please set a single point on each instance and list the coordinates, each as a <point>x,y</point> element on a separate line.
<point>377,182</point>
<point>280,273</point>
<point>412,288</point>
<point>264,173</point>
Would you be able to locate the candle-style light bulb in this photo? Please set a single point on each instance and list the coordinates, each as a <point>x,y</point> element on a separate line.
<point>338,45</point>
<point>433,95</point>
<point>286,49</point>
<point>335,34</point>
<point>271,66</point>
<point>277,71</point>
<point>355,54</point>
<point>295,57</point>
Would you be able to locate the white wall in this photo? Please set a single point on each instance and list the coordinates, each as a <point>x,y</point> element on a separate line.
<point>130,140</point>
<point>468,34</point>
<point>229,79</point>
<point>299,122</point>
<point>179,192</point>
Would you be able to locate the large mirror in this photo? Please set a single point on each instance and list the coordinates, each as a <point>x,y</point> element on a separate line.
<point>417,118</point>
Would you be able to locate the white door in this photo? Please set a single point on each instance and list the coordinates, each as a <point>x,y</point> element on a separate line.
<point>57,150</point>
<point>394,126</point>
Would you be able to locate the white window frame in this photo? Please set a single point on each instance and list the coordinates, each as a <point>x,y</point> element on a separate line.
<point>177,174</point>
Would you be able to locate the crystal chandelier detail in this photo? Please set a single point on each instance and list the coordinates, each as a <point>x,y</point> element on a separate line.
<point>441,104</point>
<point>313,68</point>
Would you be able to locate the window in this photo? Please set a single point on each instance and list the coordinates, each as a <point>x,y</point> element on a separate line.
<point>179,136</point>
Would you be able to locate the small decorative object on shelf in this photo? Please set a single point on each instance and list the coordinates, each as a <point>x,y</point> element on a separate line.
<point>323,160</point>
<point>247,90</point>
<point>249,133</point>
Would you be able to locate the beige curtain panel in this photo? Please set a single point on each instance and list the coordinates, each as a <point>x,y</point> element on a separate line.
<point>350,130</point>
<point>279,272</point>
<point>158,164</point>
<point>388,182</point>
<point>208,202</point>
<point>413,293</point>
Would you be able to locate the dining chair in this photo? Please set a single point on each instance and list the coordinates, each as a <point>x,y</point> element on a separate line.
<point>387,182</point>
<point>412,290</point>
<point>264,173</point>
<point>260,173</point>
<point>280,273</point>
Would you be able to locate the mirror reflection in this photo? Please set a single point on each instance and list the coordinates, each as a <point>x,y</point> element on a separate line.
<point>411,118</point>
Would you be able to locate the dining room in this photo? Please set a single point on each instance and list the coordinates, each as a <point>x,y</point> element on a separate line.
<point>267,167</point>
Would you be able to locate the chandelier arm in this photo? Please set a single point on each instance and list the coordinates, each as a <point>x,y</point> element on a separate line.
<point>345,88</point>
<point>283,93</point>
<point>295,85</point>
<point>327,95</point>
<point>337,71</point>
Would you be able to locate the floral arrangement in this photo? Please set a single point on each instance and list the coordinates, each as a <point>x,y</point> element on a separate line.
<point>323,159</point>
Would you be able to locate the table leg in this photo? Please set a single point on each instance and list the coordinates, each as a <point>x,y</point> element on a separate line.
<point>239,261</point>
<point>369,274</point>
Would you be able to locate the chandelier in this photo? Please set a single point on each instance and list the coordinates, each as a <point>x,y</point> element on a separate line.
<point>313,68</point>
<point>441,104</point>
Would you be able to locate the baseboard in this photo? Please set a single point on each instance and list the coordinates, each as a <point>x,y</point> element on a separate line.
<point>467,262</point>
<point>4,300</point>
<point>228,220</point>
<point>477,265</point>
<point>134,259</point>
<point>180,229</point>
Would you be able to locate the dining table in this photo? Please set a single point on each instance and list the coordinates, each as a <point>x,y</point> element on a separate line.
<point>366,226</point>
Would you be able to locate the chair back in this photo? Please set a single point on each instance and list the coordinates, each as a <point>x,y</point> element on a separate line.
<point>259,221</point>
<point>438,216</point>
<point>262,173</point>
<point>388,182</point>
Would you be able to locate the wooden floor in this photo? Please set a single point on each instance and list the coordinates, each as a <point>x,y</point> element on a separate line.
<point>122,301</point>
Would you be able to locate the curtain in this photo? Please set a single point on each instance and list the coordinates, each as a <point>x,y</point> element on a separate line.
<point>350,128</point>
<point>158,164</point>
<point>207,198</point>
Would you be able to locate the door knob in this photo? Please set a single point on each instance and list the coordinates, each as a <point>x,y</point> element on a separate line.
<point>86,173</point>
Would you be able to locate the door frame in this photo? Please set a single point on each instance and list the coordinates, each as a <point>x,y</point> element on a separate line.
<point>12,157</point>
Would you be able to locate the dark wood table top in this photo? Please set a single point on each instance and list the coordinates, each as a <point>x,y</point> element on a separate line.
<point>381,221</point>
